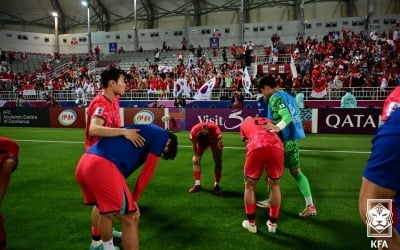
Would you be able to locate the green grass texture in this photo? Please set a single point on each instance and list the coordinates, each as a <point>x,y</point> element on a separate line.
<point>44,207</point>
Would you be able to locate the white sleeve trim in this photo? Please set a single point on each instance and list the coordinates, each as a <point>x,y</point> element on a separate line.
<point>281,125</point>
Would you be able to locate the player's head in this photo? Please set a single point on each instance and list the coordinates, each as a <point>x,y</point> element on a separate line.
<point>203,137</point>
<point>172,147</point>
<point>112,74</point>
<point>266,85</point>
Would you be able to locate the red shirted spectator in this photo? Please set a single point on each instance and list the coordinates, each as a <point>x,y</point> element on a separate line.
<point>84,70</point>
<point>267,51</point>
<point>153,83</point>
<point>121,50</point>
<point>59,85</point>
<point>233,50</point>
<point>214,52</point>
<point>11,57</point>
<point>315,73</point>
<point>184,44</point>
<point>180,69</point>
<point>23,56</point>
<point>74,58</point>
<point>180,56</point>
<point>160,83</point>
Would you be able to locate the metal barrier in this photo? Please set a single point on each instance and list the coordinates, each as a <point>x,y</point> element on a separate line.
<point>367,93</point>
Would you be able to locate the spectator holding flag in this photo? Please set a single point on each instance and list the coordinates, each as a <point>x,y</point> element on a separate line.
<point>246,81</point>
<point>204,92</point>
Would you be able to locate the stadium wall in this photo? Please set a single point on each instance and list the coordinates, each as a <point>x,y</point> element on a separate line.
<point>259,33</point>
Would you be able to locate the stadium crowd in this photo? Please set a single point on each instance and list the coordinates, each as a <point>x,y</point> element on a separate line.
<point>338,60</point>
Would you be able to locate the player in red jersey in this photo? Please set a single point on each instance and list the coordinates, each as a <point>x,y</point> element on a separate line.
<point>392,102</point>
<point>264,152</point>
<point>110,161</point>
<point>103,120</point>
<point>8,163</point>
<point>202,136</point>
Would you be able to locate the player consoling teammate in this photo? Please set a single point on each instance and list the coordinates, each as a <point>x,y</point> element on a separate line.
<point>8,163</point>
<point>102,172</point>
<point>281,108</point>
<point>103,120</point>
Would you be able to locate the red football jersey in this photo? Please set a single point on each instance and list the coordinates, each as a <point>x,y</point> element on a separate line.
<point>105,109</point>
<point>392,102</point>
<point>215,131</point>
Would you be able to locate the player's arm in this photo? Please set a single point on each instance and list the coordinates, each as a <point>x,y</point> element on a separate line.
<point>145,175</point>
<point>370,190</point>
<point>97,128</point>
<point>278,105</point>
<point>216,131</point>
<point>243,135</point>
<point>8,163</point>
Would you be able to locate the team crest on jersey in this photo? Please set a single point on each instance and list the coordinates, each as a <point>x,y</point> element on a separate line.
<point>99,111</point>
<point>281,106</point>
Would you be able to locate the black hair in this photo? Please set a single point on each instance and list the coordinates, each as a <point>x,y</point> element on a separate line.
<point>203,138</point>
<point>172,147</point>
<point>111,73</point>
<point>266,81</point>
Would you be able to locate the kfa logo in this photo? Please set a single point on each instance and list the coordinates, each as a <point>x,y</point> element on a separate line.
<point>379,221</point>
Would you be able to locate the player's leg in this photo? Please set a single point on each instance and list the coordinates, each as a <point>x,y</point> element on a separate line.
<point>274,170</point>
<point>130,231</point>
<point>105,227</point>
<point>89,176</point>
<point>5,174</point>
<point>274,204</point>
<point>96,238</point>
<point>217,157</point>
<point>196,165</point>
<point>250,205</point>
<point>253,170</point>
<point>292,162</point>
<point>2,233</point>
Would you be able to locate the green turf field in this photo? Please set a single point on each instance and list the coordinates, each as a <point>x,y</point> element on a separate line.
<point>44,209</point>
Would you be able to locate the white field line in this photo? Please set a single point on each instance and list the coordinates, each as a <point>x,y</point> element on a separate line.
<point>226,147</point>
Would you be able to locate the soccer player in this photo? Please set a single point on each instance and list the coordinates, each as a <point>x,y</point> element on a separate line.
<point>202,136</point>
<point>101,174</point>
<point>264,152</point>
<point>392,103</point>
<point>8,163</point>
<point>284,113</point>
<point>382,174</point>
<point>103,120</point>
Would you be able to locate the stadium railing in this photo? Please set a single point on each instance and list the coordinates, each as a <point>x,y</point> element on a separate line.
<point>361,93</point>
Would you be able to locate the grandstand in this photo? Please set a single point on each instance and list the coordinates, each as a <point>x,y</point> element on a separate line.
<point>286,49</point>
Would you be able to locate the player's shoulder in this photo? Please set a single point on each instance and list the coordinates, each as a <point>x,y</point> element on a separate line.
<point>8,141</point>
